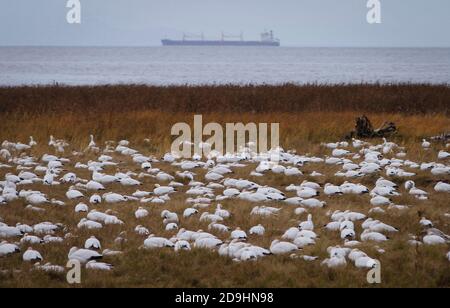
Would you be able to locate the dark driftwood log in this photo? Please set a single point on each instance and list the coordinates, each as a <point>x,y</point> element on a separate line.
<point>444,137</point>
<point>364,129</point>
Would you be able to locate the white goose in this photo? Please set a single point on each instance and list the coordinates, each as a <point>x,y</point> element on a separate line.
<point>94,265</point>
<point>7,249</point>
<point>92,243</point>
<point>221,212</point>
<point>74,194</point>
<point>442,187</point>
<point>238,234</point>
<point>81,207</point>
<point>141,213</point>
<point>189,212</point>
<point>182,245</point>
<point>257,230</point>
<point>278,248</point>
<point>153,242</point>
<point>307,225</point>
<point>32,255</point>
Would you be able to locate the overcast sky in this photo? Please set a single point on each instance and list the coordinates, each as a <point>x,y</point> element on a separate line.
<point>420,23</point>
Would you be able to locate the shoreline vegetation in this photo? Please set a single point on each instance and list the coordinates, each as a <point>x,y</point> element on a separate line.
<point>308,114</point>
<point>371,98</point>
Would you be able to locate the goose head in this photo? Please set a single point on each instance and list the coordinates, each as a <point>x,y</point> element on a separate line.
<point>409,185</point>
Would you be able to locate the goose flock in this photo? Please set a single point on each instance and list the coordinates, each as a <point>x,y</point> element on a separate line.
<point>241,206</point>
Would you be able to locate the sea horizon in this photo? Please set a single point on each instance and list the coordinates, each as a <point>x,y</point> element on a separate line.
<point>209,65</point>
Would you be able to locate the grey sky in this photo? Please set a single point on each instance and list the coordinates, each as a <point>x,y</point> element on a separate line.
<point>296,22</point>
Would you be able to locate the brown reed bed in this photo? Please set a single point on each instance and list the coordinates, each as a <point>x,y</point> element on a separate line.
<point>369,98</point>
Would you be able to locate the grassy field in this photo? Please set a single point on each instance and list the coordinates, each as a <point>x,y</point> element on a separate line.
<point>308,116</point>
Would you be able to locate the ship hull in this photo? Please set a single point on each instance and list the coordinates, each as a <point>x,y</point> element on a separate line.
<point>217,43</point>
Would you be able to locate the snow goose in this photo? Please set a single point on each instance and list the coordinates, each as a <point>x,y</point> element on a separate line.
<point>157,242</point>
<point>313,203</point>
<point>218,227</point>
<point>294,200</point>
<point>303,241</point>
<point>8,231</point>
<point>89,224</point>
<point>368,235</point>
<point>95,199</point>
<point>182,245</point>
<point>290,233</point>
<point>74,194</point>
<point>425,144</point>
<point>207,242</point>
<point>69,178</point>
<point>32,255</point>
<point>103,178</point>
<point>114,197</point>
<point>432,239</point>
<point>300,211</point>
<point>306,192</point>
<point>307,225</point>
<point>331,190</point>
<point>411,186</point>
<point>231,192</point>
<point>46,228</point>
<point>24,228</point>
<point>278,248</point>
<point>37,199</point>
<point>81,207</point>
<point>238,234</point>
<point>221,212</point>
<point>141,230</point>
<point>111,253</point>
<point>93,185</point>
<point>31,239</point>
<point>365,262</point>
<point>348,234</point>
<point>378,226</point>
<point>355,254</point>
<point>101,266</point>
<point>425,223</point>
<point>442,187</point>
<point>171,226</point>
<point>48,267</point>
<point>189,212</point>
<point>292,171</point>
<point>164,177</point>
<point>380,201</point>
<point>129,182</point>
<point>339,152</point>
<point>7,249</point>
<point>257,230</point>
<point>443,154</point>
<point>333,226</point>
<point>32,142</point>
<point>92,243</point>
<point>335,261</point>
<point>169,217</point>
<point>141,213</point>
<point>210,217</point>
<point>52,239</point>
<point>163,190</point>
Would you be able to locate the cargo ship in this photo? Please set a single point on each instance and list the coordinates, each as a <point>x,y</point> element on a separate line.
<point>267,39</point>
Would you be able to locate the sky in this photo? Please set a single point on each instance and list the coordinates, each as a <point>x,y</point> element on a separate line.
<point>324,23</point>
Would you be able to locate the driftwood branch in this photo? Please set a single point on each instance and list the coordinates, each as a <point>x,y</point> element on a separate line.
<point>364,129</point>
<point>444,137</point>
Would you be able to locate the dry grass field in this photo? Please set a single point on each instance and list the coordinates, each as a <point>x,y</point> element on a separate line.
<point>308,116</point>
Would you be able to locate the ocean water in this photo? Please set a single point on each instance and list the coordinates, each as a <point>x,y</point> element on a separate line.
<point>221,65</point>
